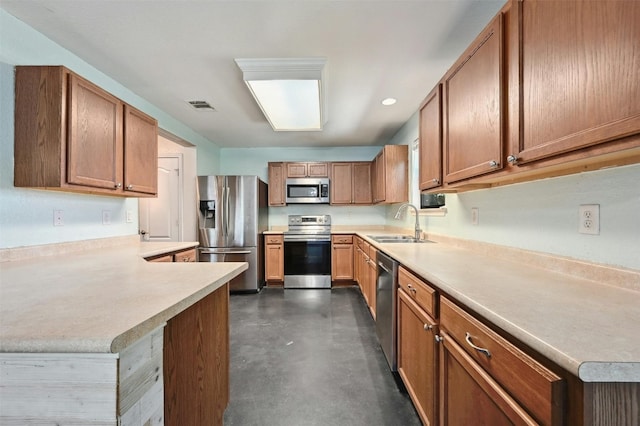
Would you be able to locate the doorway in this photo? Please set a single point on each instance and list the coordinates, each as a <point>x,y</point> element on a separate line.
<point>161,217</point>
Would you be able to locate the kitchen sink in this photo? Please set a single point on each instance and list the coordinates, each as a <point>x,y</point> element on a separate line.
<point>384,239</point>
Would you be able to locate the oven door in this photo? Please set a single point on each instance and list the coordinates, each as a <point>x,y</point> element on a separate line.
<point>307,264</point>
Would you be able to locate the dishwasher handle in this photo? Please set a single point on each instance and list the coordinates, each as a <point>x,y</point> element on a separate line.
<point>384,267</point>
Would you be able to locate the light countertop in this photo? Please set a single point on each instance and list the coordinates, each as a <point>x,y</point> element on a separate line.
<point>587,327</point>
<point>99,300</point>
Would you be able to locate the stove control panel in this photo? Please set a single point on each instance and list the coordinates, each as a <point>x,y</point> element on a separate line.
<point>309,220</point>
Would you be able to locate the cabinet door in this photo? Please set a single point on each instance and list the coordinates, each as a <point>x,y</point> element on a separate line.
<point>317,170</point>
<point>276,184</point>
<point>341,183</point>
<point>94,150</point>
<point>342,262</point>
<point>580,76</point>
<point>473,108</point>
<point>372,278</point>
<point>274,262</point>
<point>140,152</point>
<point>431,141</point>
<point>380,193</point>
<point>469,396</point>
<point>417,356</point>
<point>361,183</point>
<point>296,170</point>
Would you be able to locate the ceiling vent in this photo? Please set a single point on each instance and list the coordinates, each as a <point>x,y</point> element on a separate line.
<point>201,105</point>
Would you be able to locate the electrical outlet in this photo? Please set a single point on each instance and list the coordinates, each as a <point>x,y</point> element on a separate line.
<point>475,216</point>
<point>589,219</point>
<point>58,218</point>
<point>106,217</point>
<point>129,216</point>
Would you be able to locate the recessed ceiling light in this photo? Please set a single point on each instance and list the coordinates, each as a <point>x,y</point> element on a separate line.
<point>389,101</point>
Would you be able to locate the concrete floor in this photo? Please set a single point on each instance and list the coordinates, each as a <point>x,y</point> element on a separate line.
<point>310,357</point>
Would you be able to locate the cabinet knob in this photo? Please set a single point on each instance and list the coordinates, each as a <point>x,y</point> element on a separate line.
<point>512,159</point>
<point>119,185</point>
<point>427,327</point>
<point>129,186</point>
<point>493,164</point>
<point>436,181</point>
<point>439,338</point>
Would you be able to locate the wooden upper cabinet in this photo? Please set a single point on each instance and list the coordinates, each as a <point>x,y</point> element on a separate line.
<point>276,184</point>
<point>70,135</point>
<point>351,183</point>
<point>140,152</point>
<point>431,141</point>
<point>390,181</point>
<point>94,151</point>
<point>361,173</point>
<point>472,105</point>
<point>341,183</point>
<point>296,170</point>
<point>579,71</point>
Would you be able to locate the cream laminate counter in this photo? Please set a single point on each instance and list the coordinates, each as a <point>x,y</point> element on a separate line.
<point>585,326</point>
<point>99,300</point>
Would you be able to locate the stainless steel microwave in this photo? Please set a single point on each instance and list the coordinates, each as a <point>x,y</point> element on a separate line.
<point>307,190</point>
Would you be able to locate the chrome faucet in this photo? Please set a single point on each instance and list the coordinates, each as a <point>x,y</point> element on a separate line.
<point>398,216</point>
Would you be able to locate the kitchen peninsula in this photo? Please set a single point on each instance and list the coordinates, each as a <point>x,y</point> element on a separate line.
<point>101,336</point>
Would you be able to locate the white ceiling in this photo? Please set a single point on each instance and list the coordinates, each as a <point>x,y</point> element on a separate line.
<point>176,50</point>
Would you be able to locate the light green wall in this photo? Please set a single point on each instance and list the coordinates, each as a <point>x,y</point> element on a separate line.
<point>543,215</point>
<point>253,161</point>
<point>26,215</point>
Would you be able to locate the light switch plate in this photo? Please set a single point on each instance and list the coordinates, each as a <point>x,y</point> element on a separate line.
<point>475,216</point>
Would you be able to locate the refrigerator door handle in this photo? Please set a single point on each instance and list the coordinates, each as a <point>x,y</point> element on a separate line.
<point>226,214</point>
<point>224,252</point>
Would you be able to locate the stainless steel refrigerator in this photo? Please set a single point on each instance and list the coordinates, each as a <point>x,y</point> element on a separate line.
<point>232,215</point>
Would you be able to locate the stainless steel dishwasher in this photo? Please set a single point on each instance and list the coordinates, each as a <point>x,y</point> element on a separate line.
<point>386,291</point>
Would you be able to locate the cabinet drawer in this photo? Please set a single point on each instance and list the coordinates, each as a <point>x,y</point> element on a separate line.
<point>274,239</point>
<point>424,295</point>
<point>538,389</point>
<point>163,258</point>
<point>185,256</point>
<point>342,239</point>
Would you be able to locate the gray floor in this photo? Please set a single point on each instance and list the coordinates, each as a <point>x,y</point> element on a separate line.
<point>310,357</point>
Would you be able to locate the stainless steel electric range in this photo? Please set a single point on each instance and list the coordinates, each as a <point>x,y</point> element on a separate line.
<point>307,252</point>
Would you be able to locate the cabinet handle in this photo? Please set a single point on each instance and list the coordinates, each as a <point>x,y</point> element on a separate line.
<point>439,338</point>
<point>427,327</point>
<point>512,159</point>
<point>129,186</point>
<point>484,351</point>
<point>119,185</point>
<point>436,181</point>
<point>493,164</point>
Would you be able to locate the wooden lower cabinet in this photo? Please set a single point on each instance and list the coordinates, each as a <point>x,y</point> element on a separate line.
<point>189,255</point>
<point>372,279</point>
<point>484,379</point>
<point>196,362</point>
<point>418,357</point>
<point>468,395</point>
<point>274,258</point>
<point>342,258</point>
